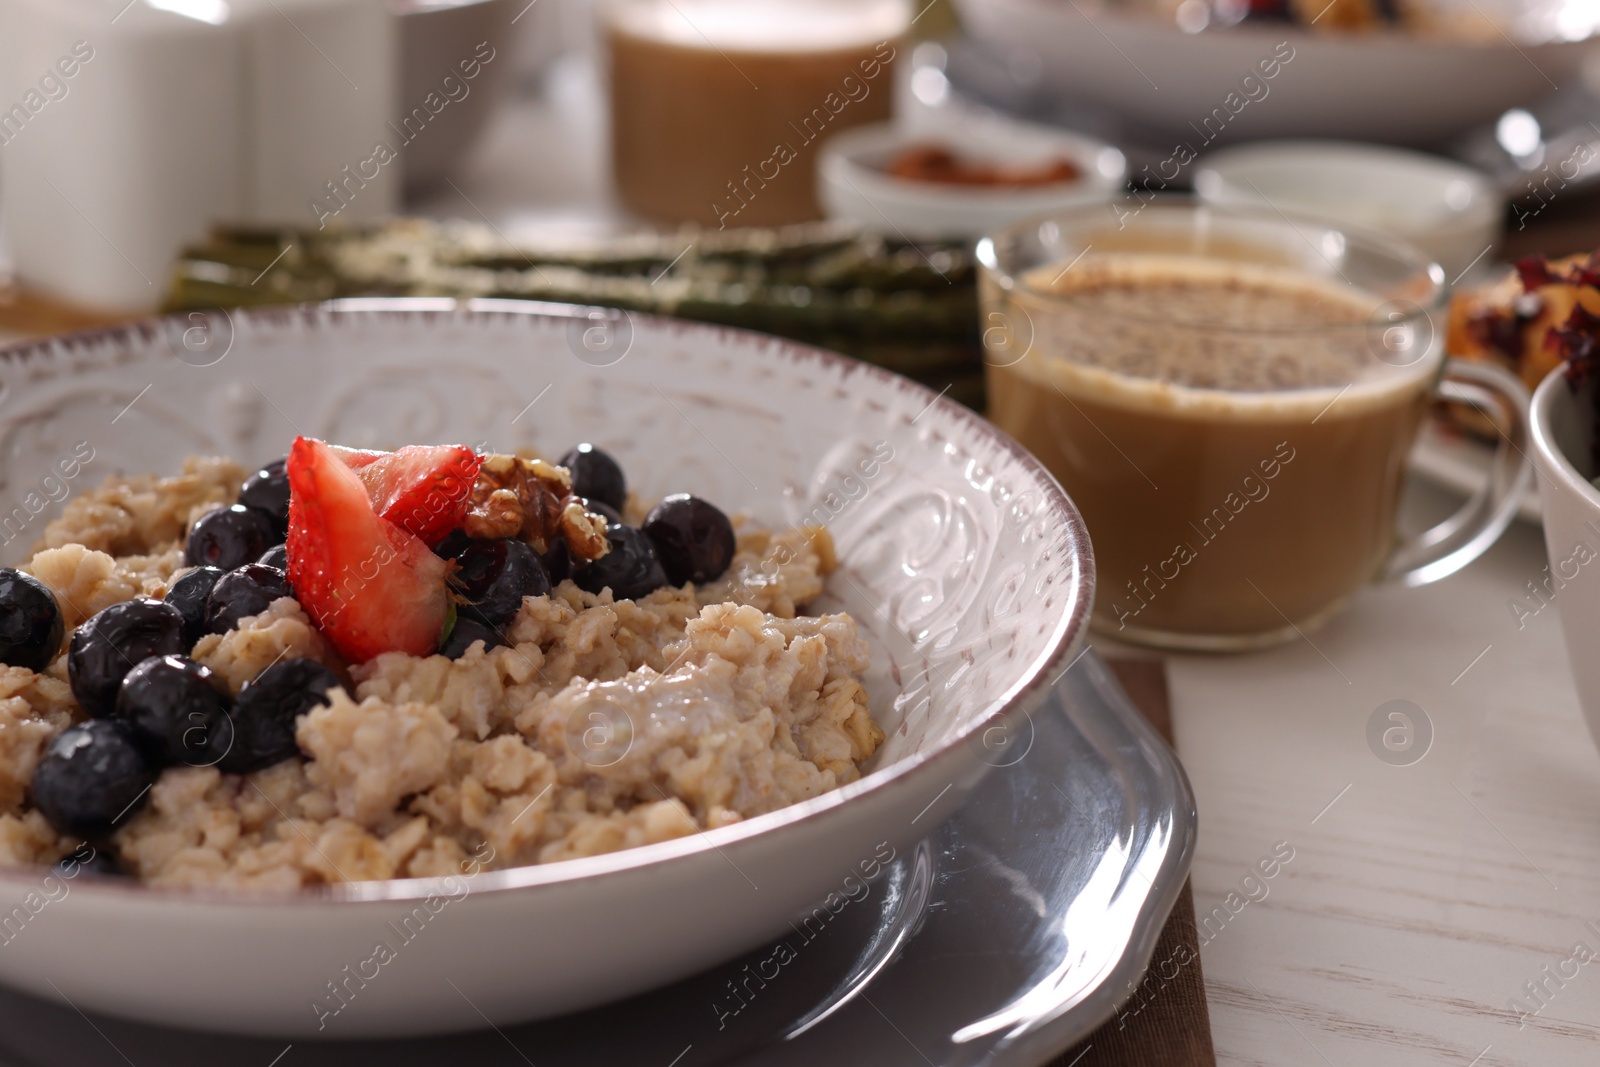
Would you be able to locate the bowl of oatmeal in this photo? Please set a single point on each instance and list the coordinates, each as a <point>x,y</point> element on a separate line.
<point>414,663</point>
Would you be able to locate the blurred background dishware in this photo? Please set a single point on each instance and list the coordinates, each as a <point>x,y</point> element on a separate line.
<point>717,105</point>
<point>1451,212</point>
<point>1181,365</point>
<point>1193,70</point>
<point>1546,147</point>
<point>180,113</point>
<point>1008,176</point>
<point>530,148</point>
<point>436,36</point>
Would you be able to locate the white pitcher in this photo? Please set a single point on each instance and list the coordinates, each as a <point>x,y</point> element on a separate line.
<point>129,126</point>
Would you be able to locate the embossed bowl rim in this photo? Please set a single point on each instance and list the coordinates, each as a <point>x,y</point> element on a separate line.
<point>1032,685</point>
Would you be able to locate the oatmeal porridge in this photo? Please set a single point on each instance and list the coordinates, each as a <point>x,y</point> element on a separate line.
<point>357,665</point>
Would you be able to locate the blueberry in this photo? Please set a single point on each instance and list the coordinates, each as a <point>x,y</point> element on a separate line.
<point>265,712</point>
<point>467,631</point>
<point>455,542</point>
<point>229,537</point>
<point>267,491</point>
<point>109,645</point>
<point>596,475</point>
<point>692,537</point>
<point>612,516</point>
<point>557,563</point>
<point>493,579</point>
<point>92,777</point>
<point>250,590</point>
<point>188,594</point>
<point>86,859</point>
<point>276,557</point>
<point>30,621</point>
<point>631,569</point>
<point>178,710</point>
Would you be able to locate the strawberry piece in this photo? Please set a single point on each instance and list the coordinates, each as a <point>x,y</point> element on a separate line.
<point>369,585</point>
<point>356,458</point>
<point>423,489</point>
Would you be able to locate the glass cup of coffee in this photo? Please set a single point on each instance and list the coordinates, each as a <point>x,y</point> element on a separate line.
<point>1230,397</point>
<point>717,106</point>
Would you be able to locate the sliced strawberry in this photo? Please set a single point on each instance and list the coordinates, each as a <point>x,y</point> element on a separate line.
<point>356,458</point>
<point>369,585</point>
<point>423,489</point>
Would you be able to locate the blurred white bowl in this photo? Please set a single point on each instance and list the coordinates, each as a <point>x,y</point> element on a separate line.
<point>1451,212</point>
<point>1393,87</point>
<point>854,186</point>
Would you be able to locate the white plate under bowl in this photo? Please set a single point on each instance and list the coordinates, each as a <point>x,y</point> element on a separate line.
<point>1394,87</point>
<point>966,563</point>
<point>854,187</point>
<point>1446,457</point>
<point>1012,931</point>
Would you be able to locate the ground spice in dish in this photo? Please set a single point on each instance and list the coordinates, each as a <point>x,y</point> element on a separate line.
<point>936,163</point>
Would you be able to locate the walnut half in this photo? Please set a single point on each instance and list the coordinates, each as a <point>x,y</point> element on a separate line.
<point>532,500</point>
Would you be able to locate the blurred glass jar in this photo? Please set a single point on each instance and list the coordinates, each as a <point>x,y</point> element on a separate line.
<point>717,105</point>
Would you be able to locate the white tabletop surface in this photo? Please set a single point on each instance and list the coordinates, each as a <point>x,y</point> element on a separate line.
<point>1420,898</point>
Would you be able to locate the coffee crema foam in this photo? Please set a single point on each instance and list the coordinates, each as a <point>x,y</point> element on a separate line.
<point>1179,333</point>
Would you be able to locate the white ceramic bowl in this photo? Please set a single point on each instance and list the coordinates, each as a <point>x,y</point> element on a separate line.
<point>1561,425</point>
<point>1450,211</point>
<point>967,565</point>
<point>854,188</point>
<point>1393,87</point>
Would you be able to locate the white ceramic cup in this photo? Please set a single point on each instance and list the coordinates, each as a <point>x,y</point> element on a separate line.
<point>1562,424</point>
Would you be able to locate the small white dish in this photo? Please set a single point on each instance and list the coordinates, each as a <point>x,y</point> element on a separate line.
<point>1561,425</point>
<point>966,565</point>
<point>855,188</point>
<point>1450,211</point>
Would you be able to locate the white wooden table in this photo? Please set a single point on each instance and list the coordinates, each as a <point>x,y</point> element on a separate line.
<point>1420,898</point>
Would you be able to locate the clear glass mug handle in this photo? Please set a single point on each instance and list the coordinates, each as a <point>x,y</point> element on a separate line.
<point>1444,549</point>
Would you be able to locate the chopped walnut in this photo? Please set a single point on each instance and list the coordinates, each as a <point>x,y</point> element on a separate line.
<point>532,499</point>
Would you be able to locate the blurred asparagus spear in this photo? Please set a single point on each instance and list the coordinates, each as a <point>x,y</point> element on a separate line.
<point>912,309</point>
